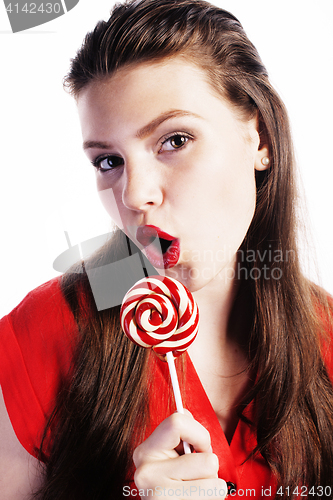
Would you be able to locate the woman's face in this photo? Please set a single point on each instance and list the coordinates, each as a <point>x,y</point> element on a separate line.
<point>174,165</point>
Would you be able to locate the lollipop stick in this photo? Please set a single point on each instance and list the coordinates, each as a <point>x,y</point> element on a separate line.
<point>176,391</point>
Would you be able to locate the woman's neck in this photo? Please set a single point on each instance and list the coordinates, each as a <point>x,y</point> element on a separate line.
<point>219,342</point>
<point>219,353</point>
<point>215,302</point>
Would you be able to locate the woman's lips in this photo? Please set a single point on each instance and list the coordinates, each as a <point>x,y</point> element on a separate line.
<point>162,249</point>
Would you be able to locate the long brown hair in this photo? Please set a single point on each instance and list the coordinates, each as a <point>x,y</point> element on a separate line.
<point>97,413</point>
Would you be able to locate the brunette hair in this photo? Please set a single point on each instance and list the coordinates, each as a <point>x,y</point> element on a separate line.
<point>97,413</point>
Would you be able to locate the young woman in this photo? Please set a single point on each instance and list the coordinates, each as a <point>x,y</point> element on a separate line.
<point>194,162</point>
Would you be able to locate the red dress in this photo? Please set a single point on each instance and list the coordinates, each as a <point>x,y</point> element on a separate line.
<point>37,341</point>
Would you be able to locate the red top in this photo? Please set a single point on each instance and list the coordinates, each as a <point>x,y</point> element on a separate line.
<point>35,355</point>
<point>36,347</point>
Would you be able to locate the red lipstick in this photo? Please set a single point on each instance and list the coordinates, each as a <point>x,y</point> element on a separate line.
<point>162,249</point>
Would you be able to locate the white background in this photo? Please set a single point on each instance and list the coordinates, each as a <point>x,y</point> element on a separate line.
<point>46,183</point>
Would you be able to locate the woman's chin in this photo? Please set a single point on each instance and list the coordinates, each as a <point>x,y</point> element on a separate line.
<point>196,278</point>
<point>188,276</point>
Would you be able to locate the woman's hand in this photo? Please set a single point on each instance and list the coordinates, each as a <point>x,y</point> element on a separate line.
<point>162,471</point>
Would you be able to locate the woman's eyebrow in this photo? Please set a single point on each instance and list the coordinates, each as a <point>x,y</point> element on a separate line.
<point>146,130</point>
<point>96,144</point>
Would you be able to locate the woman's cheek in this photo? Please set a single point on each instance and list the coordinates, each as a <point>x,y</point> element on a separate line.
<point>108,199</point>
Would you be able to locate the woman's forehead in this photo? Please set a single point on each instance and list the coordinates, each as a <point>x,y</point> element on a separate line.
<point>135,103</point>
<point>169,84</point>
<point>172,69</point>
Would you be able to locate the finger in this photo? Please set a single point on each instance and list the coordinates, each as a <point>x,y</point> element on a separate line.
<point>180,448</point>
<point>195,490</point>
<point>167,436</point>
<point>207,488</point>
<point>192,467</point>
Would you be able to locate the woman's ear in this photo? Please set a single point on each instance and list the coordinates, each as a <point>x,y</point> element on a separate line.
<point>262,160</point>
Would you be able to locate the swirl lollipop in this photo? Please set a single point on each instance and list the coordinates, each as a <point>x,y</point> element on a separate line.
<point>160,313</point>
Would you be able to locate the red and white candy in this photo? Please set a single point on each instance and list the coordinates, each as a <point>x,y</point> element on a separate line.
<point>159,312</point>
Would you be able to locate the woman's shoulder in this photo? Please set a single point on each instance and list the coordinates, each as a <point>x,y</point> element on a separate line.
<point>38,302</point>
<point>40,327</point>
<point>37,343</point>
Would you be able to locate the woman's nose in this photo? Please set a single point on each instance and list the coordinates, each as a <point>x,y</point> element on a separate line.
<point>142,186</point>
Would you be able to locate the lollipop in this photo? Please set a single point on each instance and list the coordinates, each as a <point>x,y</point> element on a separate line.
<point>160,313</point>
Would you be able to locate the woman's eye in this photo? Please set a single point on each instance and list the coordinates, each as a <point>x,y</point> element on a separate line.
<point>174,142</point>
<point>107,163</point>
